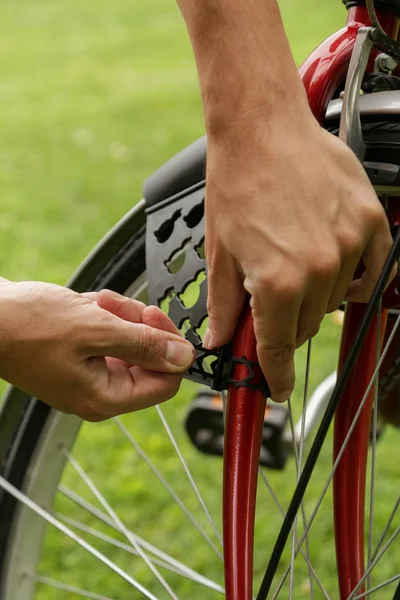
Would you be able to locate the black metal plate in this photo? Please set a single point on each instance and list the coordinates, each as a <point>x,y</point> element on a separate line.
<point>176,273</point>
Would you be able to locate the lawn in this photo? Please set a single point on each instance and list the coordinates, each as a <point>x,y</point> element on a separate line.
<point>93,97</point>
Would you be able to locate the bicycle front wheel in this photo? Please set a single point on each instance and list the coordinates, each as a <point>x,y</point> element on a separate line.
<point>129,508</point>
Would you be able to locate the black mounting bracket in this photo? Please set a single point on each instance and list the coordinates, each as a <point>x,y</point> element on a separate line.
<point>175,259</point>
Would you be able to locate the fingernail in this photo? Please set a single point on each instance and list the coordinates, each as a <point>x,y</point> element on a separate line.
<point>207,339</point>
<point>179,354</point>
<point>280,398</point>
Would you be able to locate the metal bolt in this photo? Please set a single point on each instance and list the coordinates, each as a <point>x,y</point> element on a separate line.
<point>385,63</point>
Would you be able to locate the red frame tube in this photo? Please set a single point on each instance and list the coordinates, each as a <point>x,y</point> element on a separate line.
<point>322,74</point>
<point>350,476</point>
<point>244,422</point>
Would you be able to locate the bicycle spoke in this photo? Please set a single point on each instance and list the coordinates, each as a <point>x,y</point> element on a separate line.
<point>109,540</point>
<point>283,514</point>
<point>340,454</point>
<point>388,524</point>
<point>104,518</point>
<point>68,588</point>
<point>41,512</point>
<point>185,572</point>
<point>169,489</point>
<point>378,587</point>
<point>374,563</point>
<point>294,530</point>
<point>299,461</point>
<point>96,492</point>
<point>188,473</point>
<point>301,453</point>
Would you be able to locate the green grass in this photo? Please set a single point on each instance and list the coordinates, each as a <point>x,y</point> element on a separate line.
<point>93,97</point>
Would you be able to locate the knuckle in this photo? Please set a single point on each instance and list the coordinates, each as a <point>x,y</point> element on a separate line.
<point>281,286</point>
<point>351,243</point>
<point>278,353</point>
<point>374,213</point>
<point>148,343</point>
<point>324,265</point>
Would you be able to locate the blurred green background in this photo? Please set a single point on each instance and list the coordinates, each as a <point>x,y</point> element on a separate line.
<point>93,97</point>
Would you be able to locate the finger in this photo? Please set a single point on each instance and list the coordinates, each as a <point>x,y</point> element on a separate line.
<point>374,258</point>
<point>226,296</point>
<point>121,306</point>
<point>130,389</point>
<point>312,312</point>
<point>275,325</point>
<point>148,347</point>
<point>342,284</point>
<point>154,317</point>
<point>141,388</point>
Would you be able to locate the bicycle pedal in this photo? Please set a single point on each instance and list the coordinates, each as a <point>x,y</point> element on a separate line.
<point>204,425</point>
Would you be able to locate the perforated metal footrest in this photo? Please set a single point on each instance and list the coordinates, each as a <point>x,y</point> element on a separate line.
<point>176,273</point>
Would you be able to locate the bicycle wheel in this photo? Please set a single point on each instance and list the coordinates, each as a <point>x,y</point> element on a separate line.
<point>137,528</point>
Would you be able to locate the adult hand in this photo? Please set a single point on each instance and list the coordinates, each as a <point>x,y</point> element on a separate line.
<point>289,216</point>
<point>289,209</point>
<point>95,355</point>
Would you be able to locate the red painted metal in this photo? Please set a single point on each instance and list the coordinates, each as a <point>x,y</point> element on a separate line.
<point>350,476</point>
<point>321,73</point>
<point>245,417</point>
<point>325,68</point>
<point>349,479</point>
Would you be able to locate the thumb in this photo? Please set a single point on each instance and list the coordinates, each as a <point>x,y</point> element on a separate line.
<point>145,346</point>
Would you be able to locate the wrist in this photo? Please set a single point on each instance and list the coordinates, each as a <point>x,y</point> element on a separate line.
<point>233,115</point>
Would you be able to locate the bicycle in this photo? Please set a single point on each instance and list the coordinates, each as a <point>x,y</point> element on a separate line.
<point>165,231</point>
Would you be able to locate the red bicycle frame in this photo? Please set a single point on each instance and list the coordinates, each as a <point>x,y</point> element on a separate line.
<point>322,74</point>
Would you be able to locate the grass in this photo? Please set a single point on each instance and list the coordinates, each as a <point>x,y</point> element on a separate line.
<point>93,97</point>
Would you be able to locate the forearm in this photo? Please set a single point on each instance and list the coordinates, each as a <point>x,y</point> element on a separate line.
<point>244,61</point>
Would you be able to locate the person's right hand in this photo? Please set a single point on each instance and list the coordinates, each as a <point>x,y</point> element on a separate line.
<point>95,355</point>
<point>290,214</point>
